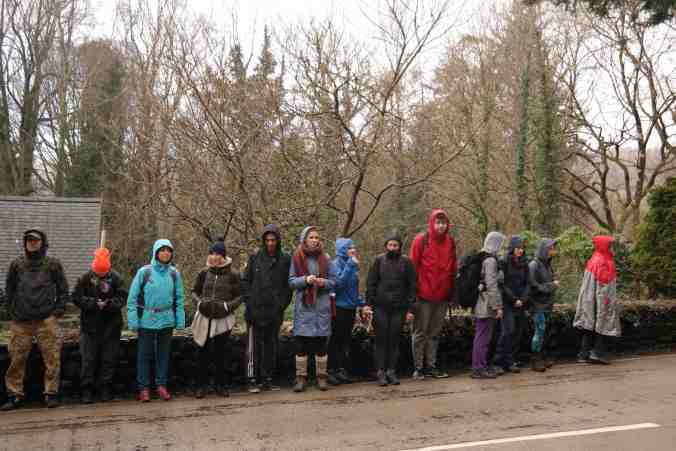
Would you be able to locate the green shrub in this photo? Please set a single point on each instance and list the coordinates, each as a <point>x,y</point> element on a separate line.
<point>654,258</point>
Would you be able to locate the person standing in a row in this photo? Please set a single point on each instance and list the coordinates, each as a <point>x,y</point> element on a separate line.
<point>155,307</point>
<point>37,292</point>
<point>390,293</point>
<point>266,295</point>
<point>313,276</point>
<point>100,295</point>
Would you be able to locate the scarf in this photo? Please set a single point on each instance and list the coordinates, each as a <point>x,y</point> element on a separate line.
<point>300,258</point>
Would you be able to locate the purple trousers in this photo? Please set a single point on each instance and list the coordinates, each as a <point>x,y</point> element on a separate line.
<point>482,339</point>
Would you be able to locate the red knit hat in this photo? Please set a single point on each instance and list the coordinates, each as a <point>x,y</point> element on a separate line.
<point>101,263</point>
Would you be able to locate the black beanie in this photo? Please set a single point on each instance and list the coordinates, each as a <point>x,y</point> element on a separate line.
<point>217,248</point>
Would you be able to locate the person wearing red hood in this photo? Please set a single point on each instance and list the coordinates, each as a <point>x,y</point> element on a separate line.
<point>598,312</point>
<point>433,256</point>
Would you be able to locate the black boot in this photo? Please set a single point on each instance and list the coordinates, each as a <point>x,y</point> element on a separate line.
<point>538,363</point>
<point>51,401</point>
<point>13,402</point>
<point>585,347</point>
<point>597,355</point>
<point>392,378</point>
<point>86,396</point>
<point>382,379</point>
<point>107,393</point>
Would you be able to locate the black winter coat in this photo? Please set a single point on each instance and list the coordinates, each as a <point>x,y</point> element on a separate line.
<point>36,288</point>
<point>391,283</point>
<point>266,286</point>
<point>215,287</point>
<point>516,284</point>
<point>88,290</point>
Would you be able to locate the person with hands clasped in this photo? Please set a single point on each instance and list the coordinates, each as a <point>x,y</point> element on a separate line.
<point>100,295</point>
<point>154,308</point>
<point>514,289</point>
<point>543,286</point>
<point>488,307</point>
<point>390,293</point>
<point>348,301</point>
<point>216,297</point>
<point>313,277</point>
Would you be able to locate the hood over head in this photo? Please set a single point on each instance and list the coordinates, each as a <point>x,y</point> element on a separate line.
<point>437,212</point>
<point>601,264</point>
<point>393,236</point>
<point>306,231</point>
<point>271,228</point>
<point>544,245</point>
<point>493,243</point>
<point>157,246</point>
<point>342,246</point>
<point>35,233</point>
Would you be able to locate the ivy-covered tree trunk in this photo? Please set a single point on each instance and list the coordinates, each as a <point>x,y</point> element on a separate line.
<point>521,149</point>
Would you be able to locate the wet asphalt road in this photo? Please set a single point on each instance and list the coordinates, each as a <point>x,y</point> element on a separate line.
<point>415,415</point>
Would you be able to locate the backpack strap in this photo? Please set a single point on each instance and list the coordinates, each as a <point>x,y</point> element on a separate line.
<point>172,271</point>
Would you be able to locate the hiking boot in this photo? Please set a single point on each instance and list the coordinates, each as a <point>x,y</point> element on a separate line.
<point>583,357</point>
<point>418,375</point>
<point>598,359</point>
<point>163,393</point>
<point>223,391</point>
<point>269,386</point>
<point>13,402</point>
<point>253,387</point>
<point>106,393</point>
<point>513,368</point>
<point>538,363</point>
<point>199,393</point>
<point>548,363</point>
<point>144,395</point>
<point>343,377</point>
<point>299,386</point>
<point>381,378</point>
<point>436,373</point>
<point>322,382</point>
<point>498,370</point>
<point>86,397</point>
<point>391,376</point>
<point>51,401</point>
<point>333,379</point>
<point>483,374</point>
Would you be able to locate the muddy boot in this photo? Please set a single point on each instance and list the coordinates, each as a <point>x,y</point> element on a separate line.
<point>538,363</point>
<point>382,379</point>
<point>548,362</point>
<point>301,373</point>
<point>392,378</point>
<point>322,375</point>
<point>13,402</point>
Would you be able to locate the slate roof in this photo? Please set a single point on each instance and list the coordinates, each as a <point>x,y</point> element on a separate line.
<point>72,226</point>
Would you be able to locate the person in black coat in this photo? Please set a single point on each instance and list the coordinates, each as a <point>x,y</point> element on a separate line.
<point>100,295</point>
<point>390,293</point>
<point>267,294</point>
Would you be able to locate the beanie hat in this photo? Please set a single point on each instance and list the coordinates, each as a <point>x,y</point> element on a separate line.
<point>101,263</point>
<point>217,248</point>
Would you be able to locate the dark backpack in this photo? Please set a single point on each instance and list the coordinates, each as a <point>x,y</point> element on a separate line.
<point>468,279</point>
<point>140,302</point>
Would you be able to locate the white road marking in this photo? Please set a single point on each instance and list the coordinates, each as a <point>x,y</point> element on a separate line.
<point>526,438</point>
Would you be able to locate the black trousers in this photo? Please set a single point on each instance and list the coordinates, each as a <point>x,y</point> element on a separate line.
<point>216,351</point>
<point>262,355</point>
<point>520,328</point>
<point>591,341</point>
<point>341,337</point>
<point>387,325</point>
<point>99,353</point>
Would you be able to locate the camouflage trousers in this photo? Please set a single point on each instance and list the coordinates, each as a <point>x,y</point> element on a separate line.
<point>20,343</point>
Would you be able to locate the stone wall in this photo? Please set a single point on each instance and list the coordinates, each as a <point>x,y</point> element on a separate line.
<point>648,326</point>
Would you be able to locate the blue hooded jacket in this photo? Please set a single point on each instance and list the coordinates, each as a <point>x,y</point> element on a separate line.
<point>347,277</point>
<point>158,295</point>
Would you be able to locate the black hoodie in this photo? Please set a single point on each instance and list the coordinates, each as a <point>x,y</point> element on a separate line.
<point>265,283</point>
<point>36,284</point>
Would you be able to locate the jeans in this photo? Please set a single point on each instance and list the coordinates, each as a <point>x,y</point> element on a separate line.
<point>154,346</point>
<point>540,320</point>
<point>387,325</point>
<point>504,355</point>
<point>341,337</point>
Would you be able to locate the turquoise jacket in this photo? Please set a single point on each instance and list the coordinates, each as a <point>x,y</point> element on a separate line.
<point>158,295</point>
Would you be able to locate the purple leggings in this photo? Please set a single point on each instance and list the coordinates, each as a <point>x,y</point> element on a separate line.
<point>482,338</point>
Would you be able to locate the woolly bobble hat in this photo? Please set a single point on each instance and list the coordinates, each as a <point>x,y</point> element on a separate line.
<point>217,248</point>
<point>101,263</point>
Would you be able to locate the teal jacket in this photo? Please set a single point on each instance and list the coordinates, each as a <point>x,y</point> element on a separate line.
<point>158,295</point>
